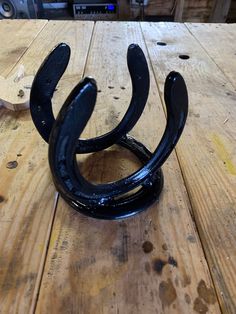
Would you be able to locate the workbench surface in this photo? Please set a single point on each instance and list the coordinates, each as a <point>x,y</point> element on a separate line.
<point>179,256</point>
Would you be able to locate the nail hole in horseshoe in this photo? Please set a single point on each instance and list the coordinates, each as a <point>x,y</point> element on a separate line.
<point>184,57</point>
<point>161,43</point>
<point>48,81</point>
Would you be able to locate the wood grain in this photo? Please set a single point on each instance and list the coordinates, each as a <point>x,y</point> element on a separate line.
<point>197,11</point>
<point>207,151</point>
<point>15,38</point>
<point>151,263</point>
<point>28,197</point>
<point>179,10</point>
<point>208,36</point>
<point>220,11</point>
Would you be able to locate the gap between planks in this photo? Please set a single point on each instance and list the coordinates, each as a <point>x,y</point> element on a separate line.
<point>181,170</point>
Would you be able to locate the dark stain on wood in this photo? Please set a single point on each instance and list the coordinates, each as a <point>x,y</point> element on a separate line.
<point>187,298</point>
<point>186,281</point>
<point>191,238</point>
<point>2,199</point>
<point>199,306</point>
<point>64,245</point>
<point>15,127</point>
<point>21,93</point>
<point>12,164</point>
<point>172,261</point>
<point>121,251</point>
<point>147,247</point>
<point>167,293</point>
<point>164,247</point>
<point>18,50</point>
<point>82,264</point>
<point>158,265</point>
<point>207,294</point>
<point>27,278</point>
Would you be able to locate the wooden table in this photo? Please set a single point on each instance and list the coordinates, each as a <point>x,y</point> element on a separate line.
<point>177,257</point>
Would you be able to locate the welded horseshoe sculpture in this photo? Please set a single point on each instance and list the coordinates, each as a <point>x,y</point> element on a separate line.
<point>106,201</point>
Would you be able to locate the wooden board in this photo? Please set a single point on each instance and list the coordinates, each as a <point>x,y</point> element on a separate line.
<point>206,151</point>
<point>151,263</point>
<point>27,195</point>
<point>220,11</point>
<point>197,11</point>
<point>179,10</point>
<point>15,37</point>
<point>208,36</point>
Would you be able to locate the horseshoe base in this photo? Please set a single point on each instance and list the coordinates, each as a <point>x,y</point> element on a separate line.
<point>130,195</point>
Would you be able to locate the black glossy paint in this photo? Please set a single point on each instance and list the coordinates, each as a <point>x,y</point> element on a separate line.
<point>106,201</point>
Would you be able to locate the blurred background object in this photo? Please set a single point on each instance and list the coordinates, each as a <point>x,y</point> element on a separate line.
<point>136,10</point>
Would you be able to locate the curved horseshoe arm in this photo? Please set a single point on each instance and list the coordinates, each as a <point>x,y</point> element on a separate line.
<point>48,77</point>
<point>63,140</point>
<point>139,74</point>
<point>43,87</point>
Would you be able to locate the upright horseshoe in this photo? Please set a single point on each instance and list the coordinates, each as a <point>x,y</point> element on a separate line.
<point>106,201</point>
<point>48,77</point>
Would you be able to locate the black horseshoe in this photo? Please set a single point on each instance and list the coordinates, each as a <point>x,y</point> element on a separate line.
<point>51,71</point>
<point>107,201</point>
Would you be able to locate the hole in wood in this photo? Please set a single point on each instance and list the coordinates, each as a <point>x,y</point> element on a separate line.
<point>184,57</point>
<point>161,43</point>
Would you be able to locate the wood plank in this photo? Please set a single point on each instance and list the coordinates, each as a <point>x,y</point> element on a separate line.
<point>179,10</point>
<point>124,9</point>
<point>220,11</point>
<point>208,36</point>
<point>207,149</point>
<point>151,263</point>
<point>17,36</point>
<point>27,202</point>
